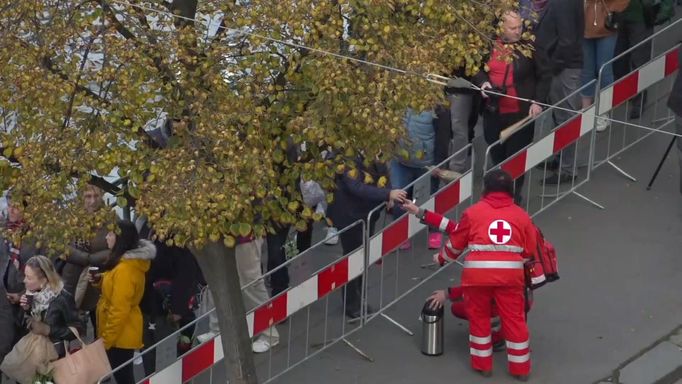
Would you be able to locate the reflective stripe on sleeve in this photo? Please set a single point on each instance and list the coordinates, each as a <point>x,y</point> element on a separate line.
<point>444,222</point>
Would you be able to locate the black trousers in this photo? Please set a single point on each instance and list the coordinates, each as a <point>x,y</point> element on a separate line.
<point>117,357</point>
<point>350,241</point>
<point>493,124</point>
<point>156,328</point>
<point>279,281</point>
<point>630,34</point>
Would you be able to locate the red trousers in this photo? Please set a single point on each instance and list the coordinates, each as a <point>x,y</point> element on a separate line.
<point>459,310</point>
<point>510,304</point>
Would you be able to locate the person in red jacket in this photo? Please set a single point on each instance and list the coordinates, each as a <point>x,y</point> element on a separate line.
<point>497,235</point>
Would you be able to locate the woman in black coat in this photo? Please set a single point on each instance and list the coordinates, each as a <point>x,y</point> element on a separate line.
<point>50,310</point>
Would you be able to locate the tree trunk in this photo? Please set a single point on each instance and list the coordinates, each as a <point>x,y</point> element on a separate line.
<point>219,266</point>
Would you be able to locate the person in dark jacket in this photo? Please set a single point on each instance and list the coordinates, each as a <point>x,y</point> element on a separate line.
<point>82,254</point>
<point>51,310</point>
<point>516,79</point>
<point>171,284</point>
<point>675,105</point>
<point>353,200</point>
<point>13,258</point>
<point>559,59</point>
<point>632,30</point>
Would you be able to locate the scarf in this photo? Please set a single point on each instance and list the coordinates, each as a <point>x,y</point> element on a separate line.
<point>42,300</point>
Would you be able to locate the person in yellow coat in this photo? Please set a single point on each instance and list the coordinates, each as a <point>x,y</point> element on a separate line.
<point>119,318</point>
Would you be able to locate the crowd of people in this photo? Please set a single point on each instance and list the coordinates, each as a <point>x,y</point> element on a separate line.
<point>125,284</point>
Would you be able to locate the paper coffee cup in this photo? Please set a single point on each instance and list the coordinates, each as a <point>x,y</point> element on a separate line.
<point>29,299</point>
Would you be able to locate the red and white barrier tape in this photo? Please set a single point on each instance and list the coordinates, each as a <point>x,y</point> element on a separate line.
<point>404,228</point>
<point>581,124</point>
<point>190,365</point>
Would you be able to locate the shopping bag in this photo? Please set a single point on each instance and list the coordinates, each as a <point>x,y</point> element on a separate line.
<point>85,366</point>
<point>30,356</point>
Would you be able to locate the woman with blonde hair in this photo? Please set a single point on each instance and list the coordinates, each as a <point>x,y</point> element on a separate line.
<point>50,310</point>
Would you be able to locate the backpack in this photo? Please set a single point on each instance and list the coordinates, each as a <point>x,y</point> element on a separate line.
<point>544,267</point>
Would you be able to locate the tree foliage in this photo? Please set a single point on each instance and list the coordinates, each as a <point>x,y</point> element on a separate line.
<point>81,81</point>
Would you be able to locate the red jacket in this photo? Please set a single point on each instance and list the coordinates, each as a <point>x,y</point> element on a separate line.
<point>497,234</point>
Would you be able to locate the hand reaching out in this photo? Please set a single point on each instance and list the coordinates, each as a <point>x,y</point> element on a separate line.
<point>397,195</point>
<point>534,110</point>
<point>410,207</point>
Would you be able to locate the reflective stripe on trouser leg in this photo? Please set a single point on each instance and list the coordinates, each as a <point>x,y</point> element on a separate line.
<point>480,341</point>
<point>511,307</point>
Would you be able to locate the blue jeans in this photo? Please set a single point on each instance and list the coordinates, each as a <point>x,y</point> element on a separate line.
<point>596,52</point>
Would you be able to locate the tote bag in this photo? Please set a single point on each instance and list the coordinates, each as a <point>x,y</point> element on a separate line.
<point>85,366</point>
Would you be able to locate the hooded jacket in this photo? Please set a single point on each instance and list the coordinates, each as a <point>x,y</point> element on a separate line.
<point>119,318</point>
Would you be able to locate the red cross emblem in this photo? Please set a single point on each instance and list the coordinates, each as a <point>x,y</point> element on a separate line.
<point>500,232</point>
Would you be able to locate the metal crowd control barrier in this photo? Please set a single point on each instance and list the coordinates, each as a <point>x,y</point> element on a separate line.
<point>614,99</point>
<point>378,281</point>
<point>171,339</point>
<point>567,147</point>
<point>315,321</point>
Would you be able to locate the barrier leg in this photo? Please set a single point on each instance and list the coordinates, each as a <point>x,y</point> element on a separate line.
<point>397,324</point>
<point>588,200</point>
<point>622,172</point>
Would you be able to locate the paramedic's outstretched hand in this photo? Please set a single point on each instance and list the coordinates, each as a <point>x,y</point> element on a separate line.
<point>410,207</point>
<point>438,260</point>
<point>437,299</point>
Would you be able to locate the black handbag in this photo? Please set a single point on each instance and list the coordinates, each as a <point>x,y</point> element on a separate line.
<point>612,21</point>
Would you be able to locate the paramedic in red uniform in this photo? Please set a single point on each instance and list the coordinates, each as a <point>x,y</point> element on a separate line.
<point>497,234</point>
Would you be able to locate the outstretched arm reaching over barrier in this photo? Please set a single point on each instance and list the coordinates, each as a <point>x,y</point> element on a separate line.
<point>456,231</point>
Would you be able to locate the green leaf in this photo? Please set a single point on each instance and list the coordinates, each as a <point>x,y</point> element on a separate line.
<point>121,201</point>
<point>234,229</point>
<point>244,229</point>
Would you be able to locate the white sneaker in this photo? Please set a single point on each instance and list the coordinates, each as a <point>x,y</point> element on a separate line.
<point>263,344</point>
<point>204,337</point>
<point>332,237</point>
<point>602,124</point>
